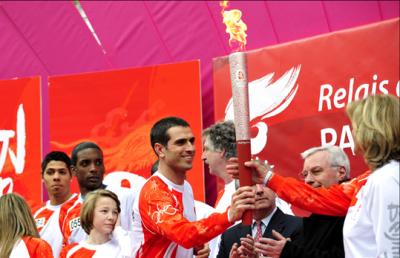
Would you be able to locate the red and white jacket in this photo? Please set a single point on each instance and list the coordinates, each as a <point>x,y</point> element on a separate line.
<point>48,223</point>
<point>85,250</point>
<point>31,247</point>
<point>164,223</point>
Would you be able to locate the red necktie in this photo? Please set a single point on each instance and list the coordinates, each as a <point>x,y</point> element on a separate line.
<point>258,231</point>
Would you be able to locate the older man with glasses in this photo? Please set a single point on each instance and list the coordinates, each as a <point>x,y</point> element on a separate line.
<point>321,235</point>
<point>325,166</point>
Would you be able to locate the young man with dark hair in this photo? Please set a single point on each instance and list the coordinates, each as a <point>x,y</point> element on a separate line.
<point>88,167</point>
<point>165,224</point>
<point>56,175</point>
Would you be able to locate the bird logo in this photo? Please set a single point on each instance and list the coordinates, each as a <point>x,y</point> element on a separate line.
<point>267,98</point>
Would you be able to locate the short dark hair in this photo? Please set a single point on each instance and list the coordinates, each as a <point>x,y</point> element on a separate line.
<point>57,156</point>
<point>158,133</point>
<point>82,146</point>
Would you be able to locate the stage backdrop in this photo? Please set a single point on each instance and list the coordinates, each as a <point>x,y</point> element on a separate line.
<point>298,91</point>
<point>20,138</point>
<point>116,109</point>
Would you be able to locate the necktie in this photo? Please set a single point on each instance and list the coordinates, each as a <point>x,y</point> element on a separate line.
<point>258,231</point>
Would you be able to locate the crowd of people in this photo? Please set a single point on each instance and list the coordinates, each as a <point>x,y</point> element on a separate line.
<point>350,217</point>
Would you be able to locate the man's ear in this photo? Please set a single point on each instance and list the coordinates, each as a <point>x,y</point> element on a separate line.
<point>159,149</point>
<point>73,170</point>
<point>341,173</point>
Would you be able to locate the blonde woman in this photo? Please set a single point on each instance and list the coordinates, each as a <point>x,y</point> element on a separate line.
<point>99,216</point>
<point>19,237</point>
<point>370,201</point>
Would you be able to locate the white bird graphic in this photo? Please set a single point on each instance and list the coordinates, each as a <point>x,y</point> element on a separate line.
<point>6,186</point>
<point>267,99</point>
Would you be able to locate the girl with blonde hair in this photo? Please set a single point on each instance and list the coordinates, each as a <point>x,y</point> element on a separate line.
<point>19,237</point>
<point>98,218</point>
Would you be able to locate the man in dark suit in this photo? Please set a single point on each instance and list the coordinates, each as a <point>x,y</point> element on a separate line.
<point>266,217</point>
<point>321,236</point>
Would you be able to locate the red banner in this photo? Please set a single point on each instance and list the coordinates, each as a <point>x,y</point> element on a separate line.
<point>298,91</point>
<point>116,109</point>
<point>20,138</point>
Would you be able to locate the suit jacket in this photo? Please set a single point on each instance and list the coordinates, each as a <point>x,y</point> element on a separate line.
<point>287,225</point>
<point>321,237</point>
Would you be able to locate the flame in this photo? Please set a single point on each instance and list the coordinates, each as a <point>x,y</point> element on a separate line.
<point>223,4</point>
<point>235,27</point>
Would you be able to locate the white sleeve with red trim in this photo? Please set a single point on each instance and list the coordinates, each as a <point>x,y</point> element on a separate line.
<point>71,224</point>
<point>51,230</point>
<point>31,247</point>
<point>85,250</point>
<point>47,220</point>
<point>43,214</point>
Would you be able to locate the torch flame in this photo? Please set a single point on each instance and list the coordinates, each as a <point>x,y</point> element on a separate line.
<point>234,26</point>
<point>223,4</point>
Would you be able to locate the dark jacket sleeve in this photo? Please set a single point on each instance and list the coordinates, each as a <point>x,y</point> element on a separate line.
<point>223,249</point>
<point>321,237</point>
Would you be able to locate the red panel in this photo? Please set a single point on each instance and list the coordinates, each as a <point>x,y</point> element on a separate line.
<point>334,69</point>
<point>20,138</point>
<point>117,109</point>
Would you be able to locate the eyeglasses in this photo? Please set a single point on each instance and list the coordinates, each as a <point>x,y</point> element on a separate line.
<point>315,171</point>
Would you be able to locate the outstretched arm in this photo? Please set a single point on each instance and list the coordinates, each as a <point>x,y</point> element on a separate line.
<point>333,201</point>
<point>161,213</point>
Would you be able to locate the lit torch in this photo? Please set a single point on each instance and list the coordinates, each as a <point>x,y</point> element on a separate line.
<point>238,71</point>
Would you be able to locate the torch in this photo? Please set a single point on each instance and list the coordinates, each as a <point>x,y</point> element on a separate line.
<point>238,71</point>
<point>240,95</point>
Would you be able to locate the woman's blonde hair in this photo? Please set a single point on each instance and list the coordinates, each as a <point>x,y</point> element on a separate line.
<point>89,205</point>
<point>16,221</point>
<point>376,128</point>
